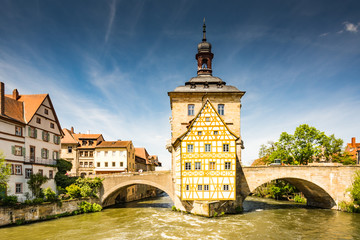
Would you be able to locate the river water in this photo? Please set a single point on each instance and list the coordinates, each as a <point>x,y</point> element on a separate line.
<point>153,219</point>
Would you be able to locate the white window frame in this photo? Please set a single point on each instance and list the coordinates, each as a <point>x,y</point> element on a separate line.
<point>227,165</point>
<point>187,166</point>
<point>191,109</point>
<point>207,147</point>
<point>221,109</point>
<point>16,188</point>
<point>190,148</point>
<point>197,165</point>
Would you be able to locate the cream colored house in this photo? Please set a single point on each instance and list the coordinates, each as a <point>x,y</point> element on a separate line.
<point>79,149</point>
<point>30,135</point>
<point>115,157</point>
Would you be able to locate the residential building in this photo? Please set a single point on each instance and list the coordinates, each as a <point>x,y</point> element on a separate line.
<point>79,148</point>
<point>30,135</point>
<point>115,157</point>
<point>353,149</point>
<point>144,161</point>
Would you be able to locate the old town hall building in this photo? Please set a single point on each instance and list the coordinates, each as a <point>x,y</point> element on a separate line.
<point>205,138</point>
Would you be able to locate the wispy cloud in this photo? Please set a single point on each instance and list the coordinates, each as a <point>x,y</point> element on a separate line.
<point>111,20</point>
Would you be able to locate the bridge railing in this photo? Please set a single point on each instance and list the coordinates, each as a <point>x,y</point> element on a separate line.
<point>131,173</point>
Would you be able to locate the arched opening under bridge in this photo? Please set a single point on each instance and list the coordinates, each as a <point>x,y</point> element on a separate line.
<point>315,195</point>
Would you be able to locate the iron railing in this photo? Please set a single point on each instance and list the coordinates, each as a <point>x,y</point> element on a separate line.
<point>39,160</point>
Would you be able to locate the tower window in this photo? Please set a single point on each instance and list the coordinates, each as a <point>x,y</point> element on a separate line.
<point>207,147</point>
<point>187,166</point>
<point>221,108</point>
<point>197,165</point>
<point>190,148</point>
<point>204,63</point>
<point>191,108</point>
<point>225,147</point>
<point>199,187</point>
<point>226,187</point>
<point>206,187</point>
<point>227,165</point>
<point>187,187</point>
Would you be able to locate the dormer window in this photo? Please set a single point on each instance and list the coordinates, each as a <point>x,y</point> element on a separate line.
<point>46,111</point>
<point>84,142</point>
<point>91,142</point>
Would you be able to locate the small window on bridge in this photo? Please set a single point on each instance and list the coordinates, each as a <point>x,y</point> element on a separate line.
<point>226,187</point>
<point>206,187</point>
<point>187,187</point>
<point>199,187</point>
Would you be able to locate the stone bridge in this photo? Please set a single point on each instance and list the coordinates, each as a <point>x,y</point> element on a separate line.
<point>323,186</point>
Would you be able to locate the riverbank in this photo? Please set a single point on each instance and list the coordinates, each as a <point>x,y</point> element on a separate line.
<point>22,214</point>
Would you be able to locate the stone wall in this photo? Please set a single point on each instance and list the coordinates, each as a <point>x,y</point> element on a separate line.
<point>11,215</point>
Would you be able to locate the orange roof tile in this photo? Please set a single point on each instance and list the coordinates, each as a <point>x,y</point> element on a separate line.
<point>78,136</point>
<point>14,109</point>
<point>68,137</point>
<point>113,144</point>
<point>31,104</point>
<point>141,152</point>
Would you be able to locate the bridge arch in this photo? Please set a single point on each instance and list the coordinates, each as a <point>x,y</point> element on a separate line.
<point>315,194</point>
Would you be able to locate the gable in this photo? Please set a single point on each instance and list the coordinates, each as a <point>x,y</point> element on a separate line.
<point>207,121</point>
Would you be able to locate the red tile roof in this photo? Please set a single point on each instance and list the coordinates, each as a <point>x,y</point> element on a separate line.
<point>113,144</point>
<point>68,137</point>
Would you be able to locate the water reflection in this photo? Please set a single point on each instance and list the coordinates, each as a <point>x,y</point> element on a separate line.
<point>153,219</point>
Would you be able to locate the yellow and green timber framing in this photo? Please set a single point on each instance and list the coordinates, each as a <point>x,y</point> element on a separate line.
<point>206,158</point>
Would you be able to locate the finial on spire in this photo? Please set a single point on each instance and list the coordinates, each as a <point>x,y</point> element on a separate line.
<point>204,32</point>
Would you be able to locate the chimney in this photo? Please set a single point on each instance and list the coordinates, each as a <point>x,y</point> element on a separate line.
<point>15,94</point>
<point>72,130</point>
<point>353,141</point>
<point>2,98</point>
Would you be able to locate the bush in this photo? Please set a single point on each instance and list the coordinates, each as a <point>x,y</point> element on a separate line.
<point>355,190</point>
<point>86,207</point>
<point>299,199</point>
<point>38,201</point>
<point>73,191</point>
<point>50,195</point>
<point>10,200</point>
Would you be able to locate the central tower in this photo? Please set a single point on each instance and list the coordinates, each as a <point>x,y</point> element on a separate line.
<point>205,140</point>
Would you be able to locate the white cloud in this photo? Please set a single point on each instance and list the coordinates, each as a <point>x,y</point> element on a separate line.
<point>351,27</point>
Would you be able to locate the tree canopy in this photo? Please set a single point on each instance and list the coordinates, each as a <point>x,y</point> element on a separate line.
<point>4,174</point>
<point>306,145</point>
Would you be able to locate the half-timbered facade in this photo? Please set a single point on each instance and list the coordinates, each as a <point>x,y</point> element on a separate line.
<point>207,158</point>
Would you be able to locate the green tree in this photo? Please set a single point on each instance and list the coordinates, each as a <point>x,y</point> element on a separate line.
<point>35,182</point>
<point>306,144</point>
<point>61,178</point>
<point>4,175</point>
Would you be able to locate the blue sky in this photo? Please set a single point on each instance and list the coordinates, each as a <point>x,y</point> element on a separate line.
<point>108,65</point>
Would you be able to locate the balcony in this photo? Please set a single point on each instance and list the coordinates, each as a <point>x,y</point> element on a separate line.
<point>39,160</point>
